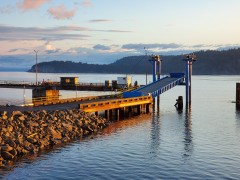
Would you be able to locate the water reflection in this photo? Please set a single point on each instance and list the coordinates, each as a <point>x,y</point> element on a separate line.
<point>118,126</point>
<point>156,105</point>
<point>237,116</point>
<point>155,134</point>
<point>187,134</point>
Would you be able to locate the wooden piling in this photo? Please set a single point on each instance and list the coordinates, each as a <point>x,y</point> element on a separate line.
<point>238,94</point>
<point>117,117</point>
<point>147,108</point>
<point>138,109</point>
<point>110,114</point>
<point>107,114</point>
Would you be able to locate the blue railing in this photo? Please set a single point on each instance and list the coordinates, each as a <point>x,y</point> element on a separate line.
<point>158,87</point>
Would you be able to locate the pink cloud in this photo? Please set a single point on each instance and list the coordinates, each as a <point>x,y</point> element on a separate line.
<point>87,3</point>
<point>61,12</point>
<point>31,4</point>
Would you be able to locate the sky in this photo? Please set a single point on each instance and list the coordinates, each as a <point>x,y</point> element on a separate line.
<point>103,31</point>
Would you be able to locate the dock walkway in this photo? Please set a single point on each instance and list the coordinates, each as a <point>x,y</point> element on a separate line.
<point>158,87</point>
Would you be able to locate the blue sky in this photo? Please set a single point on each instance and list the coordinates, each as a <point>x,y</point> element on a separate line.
<point>102,31</point>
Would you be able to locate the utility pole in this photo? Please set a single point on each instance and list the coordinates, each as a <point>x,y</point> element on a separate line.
<point>36,67</point>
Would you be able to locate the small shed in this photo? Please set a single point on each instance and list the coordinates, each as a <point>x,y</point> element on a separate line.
<point>44,94</point>
<point>66,81</point>
<point>124,82</point>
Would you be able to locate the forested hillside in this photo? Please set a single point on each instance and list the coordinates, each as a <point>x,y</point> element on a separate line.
<point>208,63</point>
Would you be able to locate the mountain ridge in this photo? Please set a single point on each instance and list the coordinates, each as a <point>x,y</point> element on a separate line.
<point>210,62</point>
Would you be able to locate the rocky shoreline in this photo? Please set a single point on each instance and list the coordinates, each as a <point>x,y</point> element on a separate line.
<point>23,133</point>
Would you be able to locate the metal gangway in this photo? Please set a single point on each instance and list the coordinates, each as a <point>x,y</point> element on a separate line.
<point>158,87</point>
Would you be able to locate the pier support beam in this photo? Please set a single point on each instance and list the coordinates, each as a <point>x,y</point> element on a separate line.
<point>107,114</point>
<point>158,104</point>
<point>147,108</point>
<point>138,109</point>
<point>122,113</point>
<point>187,83</point>
<point>238,95</point>
<point>117,117</point>
<point>188,78</point>
<point>110,114</point>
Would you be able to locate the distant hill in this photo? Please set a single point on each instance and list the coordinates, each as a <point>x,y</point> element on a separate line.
<point>210,62</point>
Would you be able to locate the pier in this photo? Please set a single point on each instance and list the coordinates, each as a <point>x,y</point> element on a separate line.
<point>116,106</point>
<point>63,119</point>
<point>57,86</point>
<point>134,101</point>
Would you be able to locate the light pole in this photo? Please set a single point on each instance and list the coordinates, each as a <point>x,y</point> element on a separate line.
<point>36,67</point>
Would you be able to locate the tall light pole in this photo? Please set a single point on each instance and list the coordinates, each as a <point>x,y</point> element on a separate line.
<point>36,67</point>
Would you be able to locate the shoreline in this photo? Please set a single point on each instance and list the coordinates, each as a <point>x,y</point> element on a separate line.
<point>29,132</point>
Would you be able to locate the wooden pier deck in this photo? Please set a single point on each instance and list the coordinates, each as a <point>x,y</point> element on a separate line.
<point>114,108</point>
<point>57,86</point>
<point>137,101</point>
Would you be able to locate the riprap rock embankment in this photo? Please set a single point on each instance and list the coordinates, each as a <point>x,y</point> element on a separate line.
<point>22,133</point>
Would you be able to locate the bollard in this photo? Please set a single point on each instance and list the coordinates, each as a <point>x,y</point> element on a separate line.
<point>179,103</point>
<point>238,95</point>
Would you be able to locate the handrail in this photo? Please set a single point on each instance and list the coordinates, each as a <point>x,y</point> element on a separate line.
<point>64,99</point>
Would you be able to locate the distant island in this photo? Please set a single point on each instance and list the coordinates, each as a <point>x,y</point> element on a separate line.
<point>210,62</point>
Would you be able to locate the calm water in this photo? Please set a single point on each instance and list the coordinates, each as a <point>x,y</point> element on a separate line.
<point>202,143</point>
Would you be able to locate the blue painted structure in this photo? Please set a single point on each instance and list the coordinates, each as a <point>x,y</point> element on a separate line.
<point>190,58</point>
<point>158,87</point>
<point>156,65</point>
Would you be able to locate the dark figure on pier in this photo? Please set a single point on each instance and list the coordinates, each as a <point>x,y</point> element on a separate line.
<point>179,103</point>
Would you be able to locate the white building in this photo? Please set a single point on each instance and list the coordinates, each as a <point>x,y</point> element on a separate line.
<point>124,82</point>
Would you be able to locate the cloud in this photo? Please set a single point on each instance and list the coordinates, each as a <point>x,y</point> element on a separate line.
<point>6,9</point>
<point>87,3</point>
<point>16,62</point>
<point>54,51</point>
<point>99,20</point>
<point>101,47</point>
<point>199,46</point>
<point>49,46</point>
<point>115,31</point>
<point>50,49</point>
<point>61,12</point>
<point>151,46</point>
<point>17,50</point>
<point>10,33</point>
<point>31,4</point>
<point>228,46</point>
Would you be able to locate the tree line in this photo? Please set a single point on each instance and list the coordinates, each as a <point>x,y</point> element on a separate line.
<point>210,62</point>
